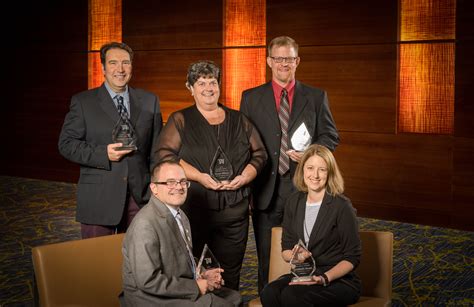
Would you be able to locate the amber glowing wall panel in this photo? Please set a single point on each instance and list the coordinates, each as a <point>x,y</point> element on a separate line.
<point>426,88</point>
<point>105,25</point>
<point>244,48</point>
<point>426,75</point>
<point>427,19</point>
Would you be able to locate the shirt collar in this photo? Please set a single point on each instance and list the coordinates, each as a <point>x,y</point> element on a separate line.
<point>277,88</point>
<point>173,210</point>
<point>113,94</point>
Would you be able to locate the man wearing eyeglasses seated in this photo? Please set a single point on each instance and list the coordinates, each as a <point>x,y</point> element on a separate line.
<point>158,266</point>
<point>289,116</point>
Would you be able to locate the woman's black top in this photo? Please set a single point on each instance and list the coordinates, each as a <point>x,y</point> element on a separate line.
<point>187,135</point>
<point>335,234</point>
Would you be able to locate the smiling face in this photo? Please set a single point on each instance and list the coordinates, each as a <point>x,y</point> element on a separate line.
<point>172,196</point>
<point>117,69</point>
<point>284,72</point>
<point>206,92</point>
<point>315,174</point>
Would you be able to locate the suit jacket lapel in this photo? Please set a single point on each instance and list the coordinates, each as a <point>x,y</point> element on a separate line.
<point>323,212</point>
<point>107,104</point>
<point>172,224</point>
<point>299,104</point>
<point>268,100</point>
<point>134,105</point>
<point>300,213</point>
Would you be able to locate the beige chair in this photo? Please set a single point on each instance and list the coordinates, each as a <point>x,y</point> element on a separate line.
<point>79,273</point>
<point>375,268</point>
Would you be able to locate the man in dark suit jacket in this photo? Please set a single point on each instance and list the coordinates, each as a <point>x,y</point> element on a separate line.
<point>310,121</point>
<point>158,266</point>
<point>113,182</point>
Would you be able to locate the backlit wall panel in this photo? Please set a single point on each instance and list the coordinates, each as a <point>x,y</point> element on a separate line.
<point>105,25</point>
<point>427,88</point>
<point>244,48</point>
<point>427,19</point>
<point>426,75</point>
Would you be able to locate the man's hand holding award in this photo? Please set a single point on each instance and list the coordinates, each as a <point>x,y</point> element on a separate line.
<point>209,269</point>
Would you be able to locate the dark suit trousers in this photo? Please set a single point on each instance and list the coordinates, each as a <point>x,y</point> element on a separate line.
<point>263,221</point>
<point>92,231</point>
<point>279,293</point>
<point>225,232</point>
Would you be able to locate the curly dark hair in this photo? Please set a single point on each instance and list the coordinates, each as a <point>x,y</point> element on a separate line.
<point>206,69</point>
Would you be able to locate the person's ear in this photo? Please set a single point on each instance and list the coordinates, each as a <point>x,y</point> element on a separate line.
<point>153,188</point>
<point>269,62</point>
<point>190,88</point>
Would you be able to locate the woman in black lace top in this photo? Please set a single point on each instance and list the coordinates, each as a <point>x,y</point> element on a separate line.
<point>221,153</point>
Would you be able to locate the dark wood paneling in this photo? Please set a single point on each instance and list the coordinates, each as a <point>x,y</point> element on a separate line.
<point>463,187</point>
<point>47,25</point>
<point>360,81</point>
<point>400,170</point>
<point>158,25</point>
<point>328,22</point>
<point>37,111</point>
<point>153,72</point>
<point>464,93</point>
<point>464,20</point>
<point>46,66</point>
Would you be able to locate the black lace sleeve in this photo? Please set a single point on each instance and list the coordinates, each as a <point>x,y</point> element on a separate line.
<point>258,151</point>
<point>169,143</point>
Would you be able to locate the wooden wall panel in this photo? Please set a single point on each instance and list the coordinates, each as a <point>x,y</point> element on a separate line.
<point>153,72</point>
<point>46,66</point>
<point>360,81</point>
<point>37,114</point>
<point>332,22</point>
<point>464,20</point>
<point>159,25</point>
<point>464,93</point>
<point>463,187</point>
<point>390,176</point>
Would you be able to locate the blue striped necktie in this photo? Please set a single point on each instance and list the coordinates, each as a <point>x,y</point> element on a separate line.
<point>122,109</point>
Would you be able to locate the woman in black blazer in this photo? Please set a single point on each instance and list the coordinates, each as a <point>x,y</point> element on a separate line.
<point>324,220</point>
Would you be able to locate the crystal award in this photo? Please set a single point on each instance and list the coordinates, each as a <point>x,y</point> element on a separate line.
<point>302,271</point>
<point>207,261</point>
<point>124,133</point>
<point>221,169</point>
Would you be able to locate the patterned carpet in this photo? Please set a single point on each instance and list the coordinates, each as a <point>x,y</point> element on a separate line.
<point>432,266</point>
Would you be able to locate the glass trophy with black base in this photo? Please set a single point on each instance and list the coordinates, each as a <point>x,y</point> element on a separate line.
<point>221,168</point>
<point>124,133</point>
<point>302,270</point>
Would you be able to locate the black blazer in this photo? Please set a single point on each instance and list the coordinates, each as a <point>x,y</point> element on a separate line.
<point>310,105</point>
<point>87,130</point>
<point>335,234</point>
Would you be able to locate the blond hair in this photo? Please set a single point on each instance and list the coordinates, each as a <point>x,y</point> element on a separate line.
<point>334,183</point>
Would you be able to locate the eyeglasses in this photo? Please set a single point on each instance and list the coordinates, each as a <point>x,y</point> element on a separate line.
<point>279,59</point>
<point>171,183</point>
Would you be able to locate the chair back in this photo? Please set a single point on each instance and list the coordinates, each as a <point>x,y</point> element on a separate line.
<point>375,268</point>
<point>278,266</point>
<point>376,263</point>
<point>82,273</point>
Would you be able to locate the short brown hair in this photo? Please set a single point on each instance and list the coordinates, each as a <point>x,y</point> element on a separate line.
<point>157,168</point>
<point>334,183</point>
<point>114,45</point>
<point>282,41</point>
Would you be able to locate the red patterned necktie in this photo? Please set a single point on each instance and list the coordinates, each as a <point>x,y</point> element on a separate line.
<point>284,115</point>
